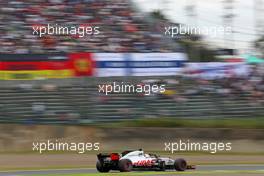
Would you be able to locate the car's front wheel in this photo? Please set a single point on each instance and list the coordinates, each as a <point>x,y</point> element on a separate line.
<point>180,164</point>
<point>101,168</point>
<point>125,165</point>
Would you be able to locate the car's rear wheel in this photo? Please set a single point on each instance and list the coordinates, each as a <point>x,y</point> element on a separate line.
<point>125,165</point>
<point>101,168</point>
<point>180,164</point>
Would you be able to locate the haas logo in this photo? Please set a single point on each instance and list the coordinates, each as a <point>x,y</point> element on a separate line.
<point>144,163</point>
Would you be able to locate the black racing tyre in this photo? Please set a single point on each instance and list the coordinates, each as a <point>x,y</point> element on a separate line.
<point>180,164</point>
<point>125,165</point>
<point>101,168</point>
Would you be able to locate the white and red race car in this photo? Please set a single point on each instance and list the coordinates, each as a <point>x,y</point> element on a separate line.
<point>138,160</point>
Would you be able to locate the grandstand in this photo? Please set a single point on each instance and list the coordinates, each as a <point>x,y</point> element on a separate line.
<point>122,28</point>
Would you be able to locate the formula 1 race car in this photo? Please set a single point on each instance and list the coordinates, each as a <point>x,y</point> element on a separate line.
<point>138,160</point>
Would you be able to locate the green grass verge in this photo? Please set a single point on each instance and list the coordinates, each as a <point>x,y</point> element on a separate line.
<point>253,123</point>
<point>196,173</point>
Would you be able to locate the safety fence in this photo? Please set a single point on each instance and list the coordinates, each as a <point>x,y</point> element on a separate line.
<point>78,101</point>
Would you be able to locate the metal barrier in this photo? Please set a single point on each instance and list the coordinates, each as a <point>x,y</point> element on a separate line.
<point>78,101</point>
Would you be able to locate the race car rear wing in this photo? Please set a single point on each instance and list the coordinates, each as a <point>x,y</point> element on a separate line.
<point>112,156</point>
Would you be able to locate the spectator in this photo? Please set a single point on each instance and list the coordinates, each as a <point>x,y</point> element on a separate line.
<point>122,29</point>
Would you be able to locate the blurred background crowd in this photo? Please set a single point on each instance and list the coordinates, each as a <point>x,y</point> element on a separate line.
<point>122,29</point>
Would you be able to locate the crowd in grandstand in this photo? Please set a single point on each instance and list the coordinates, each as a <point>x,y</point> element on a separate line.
<point>122,29</point>
<point>250,87</point>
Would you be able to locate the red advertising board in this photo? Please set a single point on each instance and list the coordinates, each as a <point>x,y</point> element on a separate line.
<point>82,63</point>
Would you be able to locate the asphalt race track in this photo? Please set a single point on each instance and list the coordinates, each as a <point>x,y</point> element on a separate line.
<point>258,169</point>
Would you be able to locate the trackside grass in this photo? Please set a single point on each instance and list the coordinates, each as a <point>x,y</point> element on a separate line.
<point>239,123</point>
<point>189,173</point>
